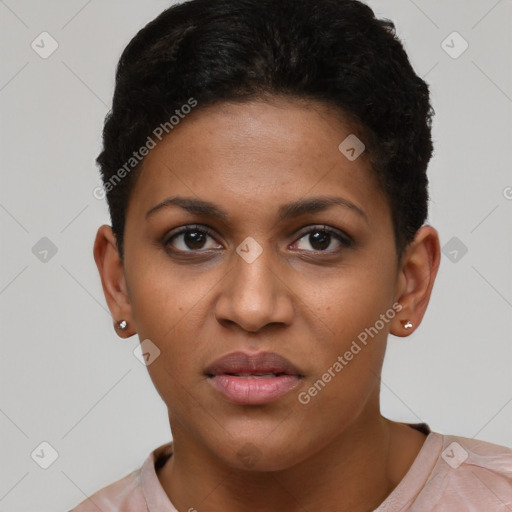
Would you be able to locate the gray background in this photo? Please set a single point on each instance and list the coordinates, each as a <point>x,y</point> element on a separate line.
<point>65,376</point>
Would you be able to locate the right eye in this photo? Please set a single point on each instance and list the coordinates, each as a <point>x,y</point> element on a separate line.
<point>190,239</point>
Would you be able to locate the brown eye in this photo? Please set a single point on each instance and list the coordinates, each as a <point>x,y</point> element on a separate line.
<point>190,239</point>
<point>323,239</point>
<point>194,239</point>
<point>319,240</point>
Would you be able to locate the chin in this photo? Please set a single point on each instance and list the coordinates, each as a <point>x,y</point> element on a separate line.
<point>261,454</point>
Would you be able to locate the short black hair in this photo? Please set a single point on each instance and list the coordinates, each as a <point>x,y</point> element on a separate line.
<point>201,52</point>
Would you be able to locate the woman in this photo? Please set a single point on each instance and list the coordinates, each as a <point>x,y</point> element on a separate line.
<point>265,168</point>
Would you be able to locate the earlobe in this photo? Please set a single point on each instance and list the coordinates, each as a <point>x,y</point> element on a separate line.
<point>113,281</point>
<point>416,280</point>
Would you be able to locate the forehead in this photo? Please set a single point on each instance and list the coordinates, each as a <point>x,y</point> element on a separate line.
<point>255,153</point>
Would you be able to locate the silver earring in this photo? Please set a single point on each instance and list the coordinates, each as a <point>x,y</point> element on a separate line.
<point>122,325</point>
<point>406,324</point>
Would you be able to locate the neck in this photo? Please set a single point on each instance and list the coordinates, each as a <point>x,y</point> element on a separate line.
<point>355,472</point>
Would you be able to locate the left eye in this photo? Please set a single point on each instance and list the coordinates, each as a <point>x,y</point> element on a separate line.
<point>320,239</point>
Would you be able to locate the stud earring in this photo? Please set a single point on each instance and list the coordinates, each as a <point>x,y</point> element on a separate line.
<point>406,324</point>
<point>122,325</point>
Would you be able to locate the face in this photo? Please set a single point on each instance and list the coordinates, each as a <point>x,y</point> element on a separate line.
<point>294,254</point>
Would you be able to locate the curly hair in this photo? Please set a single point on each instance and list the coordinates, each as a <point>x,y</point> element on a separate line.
<point>333,51</point>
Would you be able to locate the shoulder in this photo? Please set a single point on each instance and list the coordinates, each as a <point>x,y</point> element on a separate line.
<point>135,491</point>
<point>469,472</point>
<point>124,495</point>
<point>474,454</point>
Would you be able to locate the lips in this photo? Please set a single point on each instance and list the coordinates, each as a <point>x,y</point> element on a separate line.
<point>256,365</point>
<point>253,379</point>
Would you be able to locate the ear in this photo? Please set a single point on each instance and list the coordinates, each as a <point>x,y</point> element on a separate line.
<point>416,276</point>
<point>113,281</point>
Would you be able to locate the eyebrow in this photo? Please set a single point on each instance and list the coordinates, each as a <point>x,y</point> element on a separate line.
<point>286,211</point>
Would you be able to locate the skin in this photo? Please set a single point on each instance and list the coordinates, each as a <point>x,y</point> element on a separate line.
<point>305,301</point>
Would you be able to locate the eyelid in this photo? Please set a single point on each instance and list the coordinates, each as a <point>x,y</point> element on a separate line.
<point>189,227</point>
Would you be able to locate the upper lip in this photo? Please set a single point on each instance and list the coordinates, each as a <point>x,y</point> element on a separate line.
<point>242,362</point>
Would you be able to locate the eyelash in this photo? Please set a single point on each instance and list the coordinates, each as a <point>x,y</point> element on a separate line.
<point>344,239</point>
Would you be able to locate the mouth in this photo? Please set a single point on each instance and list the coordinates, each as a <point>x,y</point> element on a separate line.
<point>253,379</point>
<point>248,375</point>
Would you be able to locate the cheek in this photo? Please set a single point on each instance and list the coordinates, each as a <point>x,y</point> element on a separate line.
<point>347,362</point>
<point>170,308</point>
<point>170,321</point>
<point>164,296</point>
<point>348,357</point>
<point>347,304</point>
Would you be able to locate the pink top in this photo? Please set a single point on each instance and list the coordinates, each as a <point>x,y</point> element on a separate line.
<point>449,474</point>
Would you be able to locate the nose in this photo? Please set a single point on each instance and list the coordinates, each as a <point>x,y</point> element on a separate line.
<point>254,295</point>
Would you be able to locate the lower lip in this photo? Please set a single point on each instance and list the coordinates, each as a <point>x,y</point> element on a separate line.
<point>255,391</point>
